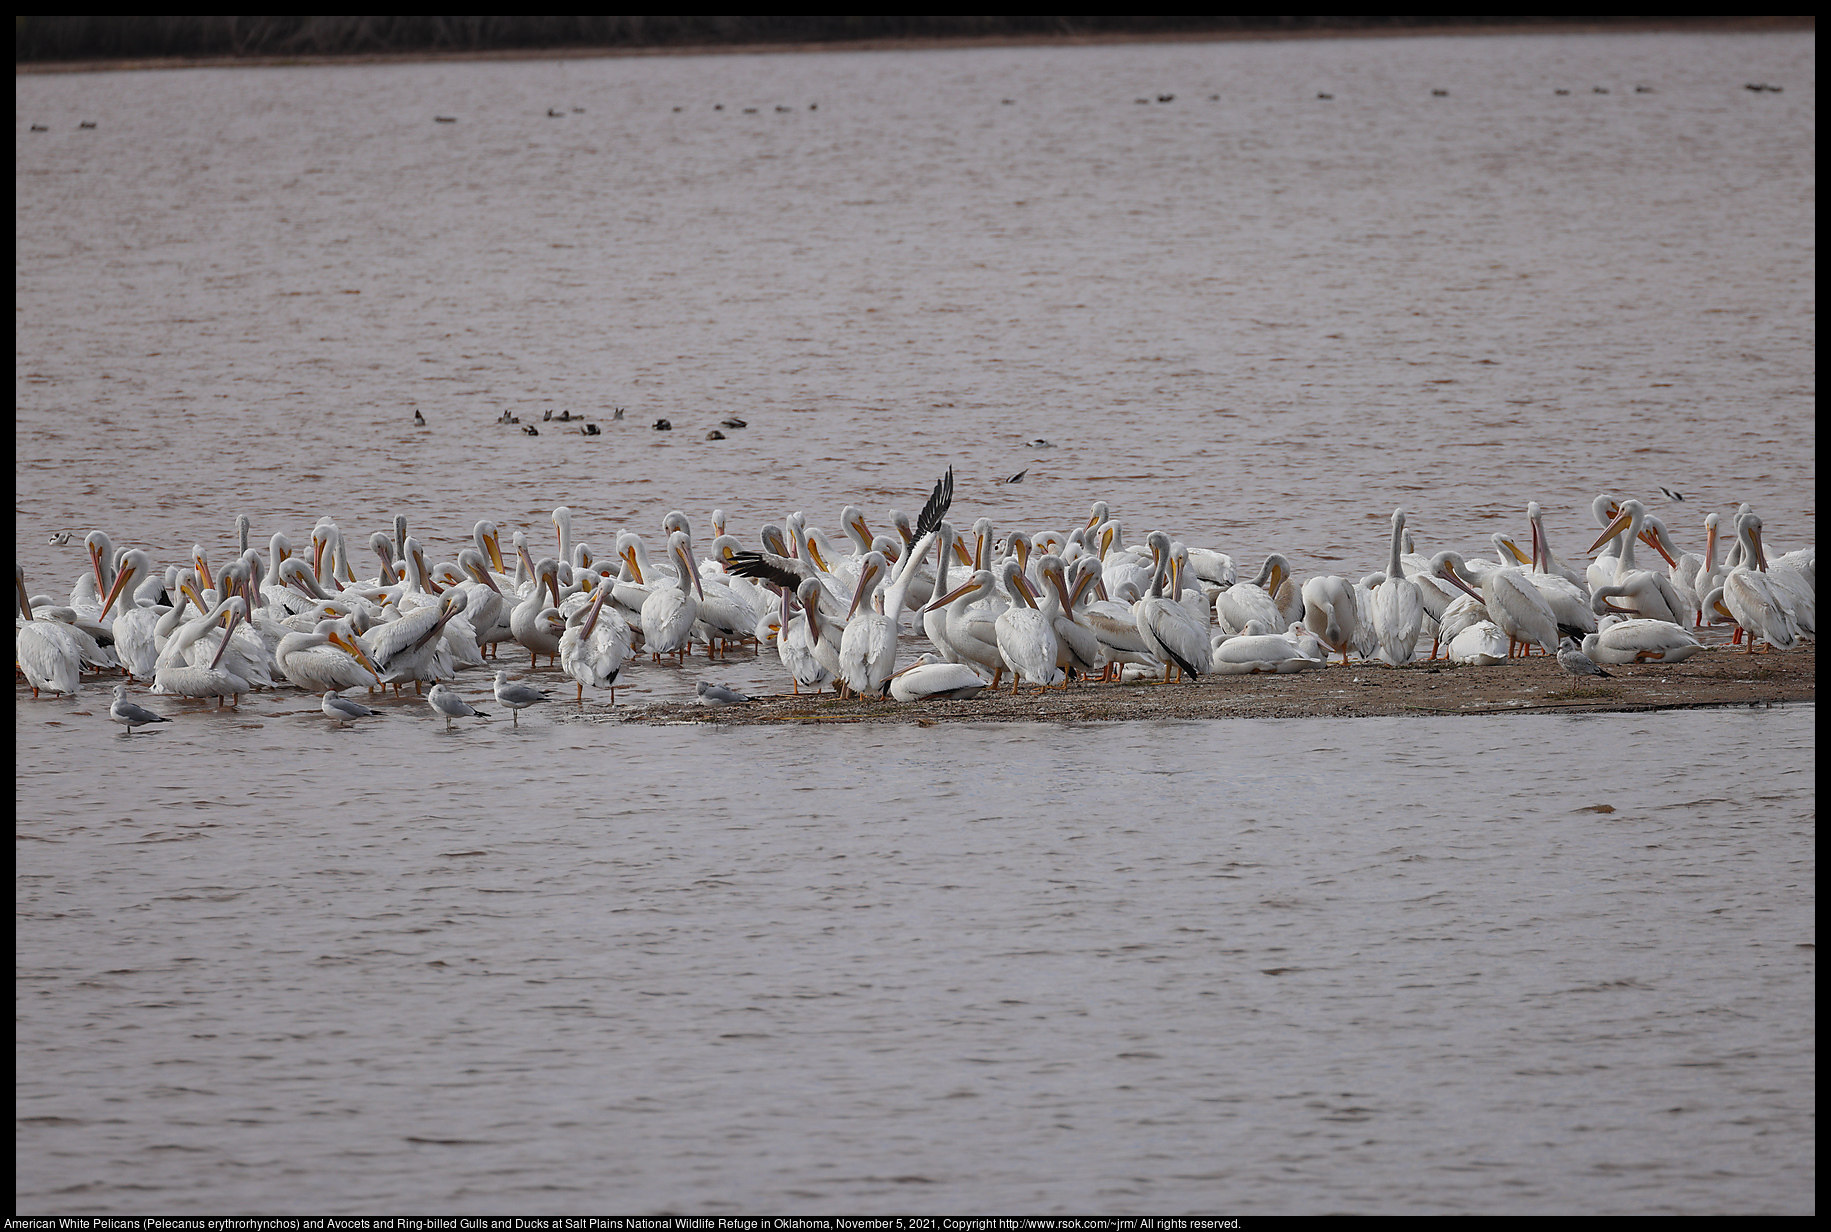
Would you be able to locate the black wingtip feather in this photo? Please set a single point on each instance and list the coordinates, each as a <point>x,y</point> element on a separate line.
<point>938,502</point>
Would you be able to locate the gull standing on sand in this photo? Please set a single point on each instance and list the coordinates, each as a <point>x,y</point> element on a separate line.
<point>129,715</point>
<point>1572,659</point>
<point>719,695</point>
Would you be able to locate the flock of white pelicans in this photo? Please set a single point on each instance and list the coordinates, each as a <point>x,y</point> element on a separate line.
<point>1039,607</point>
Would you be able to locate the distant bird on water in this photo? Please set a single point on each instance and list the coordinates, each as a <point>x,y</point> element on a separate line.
<point>343,710</point>
<point>733,422</point>
<point>418,418</point>
<point>129,715</point>
<point>1671,495</point>
<point>59,538</point>
<point>662,425</point>
<point>1574,661</point>
<point>530,430</point>
<point>1018,477</point>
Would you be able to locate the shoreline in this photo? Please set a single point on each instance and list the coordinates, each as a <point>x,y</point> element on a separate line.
<point>1661,25</point>
<point>1714,679</point>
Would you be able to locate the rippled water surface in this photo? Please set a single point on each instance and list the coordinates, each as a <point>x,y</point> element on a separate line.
<point>265,966</point>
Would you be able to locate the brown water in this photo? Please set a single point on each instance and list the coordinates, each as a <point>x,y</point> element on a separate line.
<point>1380,965</point>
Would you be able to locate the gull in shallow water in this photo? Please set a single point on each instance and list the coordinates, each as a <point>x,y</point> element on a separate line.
<point>447,703</point>
<point>129,715</point>
<point>343,710</point>
<point>517,695</point>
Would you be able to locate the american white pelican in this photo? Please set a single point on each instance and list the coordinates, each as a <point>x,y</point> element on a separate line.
<point>1461,615</point>
<point>1567,597</point>
<point>524,619</point>
<point>134,645</point>
<point>1245,654</point>
<point>407,648</point>
<point>1366,637</point>
<point>1758,606</point>
<point>1795,576</point>
<point>1601,570</point>
<point>1711,569</point>
<point>596,645</point>
<point>1398,606</point>
<point>1170,634</point>
<point>1114,622</point>
<point>1245,602</point>
<point>822,634</point>
<point>1645,593</point>
<point>341,710</point>
<point>934,619</point>
<point>1481,644</point>
<point>669,612</point>
<point>46,650</point>
<point>1026,639</point>
<point>130,715</point>
<point>1512,602</point>
<point>326,659</point>
<point>1641,641</point>
<point>1330,612</point>
<point>447,704</point>
<point>724,615</point>
<point>972,641</point>
<point>790,638</point>
<point>517,695</point>
<point>1078,648</point>
<point>867,650</point>
<point>931,679</point>
<point>1215,568</point>
<point>176,675</point>
<point>1549,561</point>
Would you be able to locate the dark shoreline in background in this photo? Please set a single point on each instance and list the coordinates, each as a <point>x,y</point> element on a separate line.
<point>89,44</point>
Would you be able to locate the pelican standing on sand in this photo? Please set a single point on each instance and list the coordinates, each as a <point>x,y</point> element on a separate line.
<point>1330,612</point>
<point>669,612</point>
<point>1397,607</point>
<point>1026,638</point>
<point>596,645</point>
<point>1751,597</point>
<point>1512,602</point>
<point>1170,634</point>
